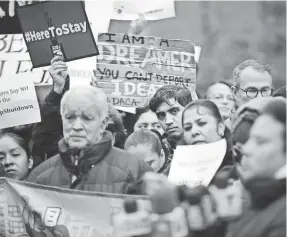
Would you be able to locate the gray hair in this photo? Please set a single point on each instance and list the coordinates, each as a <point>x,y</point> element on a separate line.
<point>261,67</point>
<point>97,95</point>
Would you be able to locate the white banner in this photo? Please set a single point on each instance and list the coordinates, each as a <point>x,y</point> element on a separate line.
<point>18,101</point>
<point>194,165</point>
<point>151,9</point>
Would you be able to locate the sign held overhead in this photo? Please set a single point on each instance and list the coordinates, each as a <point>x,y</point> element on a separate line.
<point>56,26</point>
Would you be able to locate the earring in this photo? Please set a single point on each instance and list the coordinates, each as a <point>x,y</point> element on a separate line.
<point>221,134</point>
<point>30,165</point>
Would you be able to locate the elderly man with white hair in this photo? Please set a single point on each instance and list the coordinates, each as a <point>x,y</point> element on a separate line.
<point>87,159</point>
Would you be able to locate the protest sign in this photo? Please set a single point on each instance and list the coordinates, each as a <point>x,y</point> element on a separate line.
<point>196,164</point>
<point>143,55</point>
<point>56,25</point>
<point>18,101</point>
<point>148,41</point>
<point>131,68</point>
<point>131,86</point>
<point>152,9</point>
<point>15,59</point>
<point>36,210</point>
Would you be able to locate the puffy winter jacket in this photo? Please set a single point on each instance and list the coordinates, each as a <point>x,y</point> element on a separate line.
<point>100,168</point>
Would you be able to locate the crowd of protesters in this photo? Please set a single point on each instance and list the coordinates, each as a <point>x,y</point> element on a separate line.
<point>84,143</point>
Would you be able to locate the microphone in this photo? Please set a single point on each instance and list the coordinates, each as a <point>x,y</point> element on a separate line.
<point>235,192</point>
<point>208,206</point>
<point>195,216</point>
<point>220,194</point>
<point>228,196</point>
<point>132,222</point>
<point>168,219</point>
<point>182,196</point>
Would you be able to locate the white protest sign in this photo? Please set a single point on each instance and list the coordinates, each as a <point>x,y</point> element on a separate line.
<point>194,165</point>
<point>151,9</point>
<point>18,101</point>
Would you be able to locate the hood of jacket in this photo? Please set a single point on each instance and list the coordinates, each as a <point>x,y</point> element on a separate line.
<point>80,161</point>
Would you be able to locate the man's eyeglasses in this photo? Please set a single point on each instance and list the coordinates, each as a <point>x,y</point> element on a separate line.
<point>253,92</point>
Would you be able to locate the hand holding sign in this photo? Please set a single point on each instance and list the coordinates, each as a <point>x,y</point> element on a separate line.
<point>58,72</point>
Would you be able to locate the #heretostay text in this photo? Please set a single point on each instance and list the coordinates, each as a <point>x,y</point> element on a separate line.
<point>65,29</point>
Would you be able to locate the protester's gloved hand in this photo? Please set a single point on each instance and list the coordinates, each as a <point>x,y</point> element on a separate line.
<point>58,72</point>
<point>137,26</point>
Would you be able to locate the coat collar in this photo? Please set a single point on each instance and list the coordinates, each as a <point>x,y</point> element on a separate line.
<point>86,157</point>
<point>264,191</point>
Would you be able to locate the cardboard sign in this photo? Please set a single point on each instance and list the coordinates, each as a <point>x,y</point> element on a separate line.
<point>56,25</point>
<point>149,65</point>
<point>143,55</point>
<point>42,211</point>
<point>108,72</point>
<point>18,101</point>
<point>131,86</point>
<point>194,165</point>
<point>131,68</point>
<point>148,42</point>
<point>152,9</point>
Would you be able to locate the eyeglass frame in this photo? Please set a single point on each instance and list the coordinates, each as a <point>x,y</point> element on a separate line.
<point>271,89</point>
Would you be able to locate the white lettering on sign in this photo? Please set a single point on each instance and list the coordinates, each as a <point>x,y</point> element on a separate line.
<point>127,55</point>
<point>125,88</point>
<point>64,29</point>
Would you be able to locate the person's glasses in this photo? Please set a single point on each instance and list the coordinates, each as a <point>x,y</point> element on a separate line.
<point>253,92</point>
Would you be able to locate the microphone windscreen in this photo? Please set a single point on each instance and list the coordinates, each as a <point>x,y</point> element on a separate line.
<point>164,200</point>
<point>130,205</point>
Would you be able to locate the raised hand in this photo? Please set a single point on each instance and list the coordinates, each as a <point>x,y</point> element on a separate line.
<point>58,72</point>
